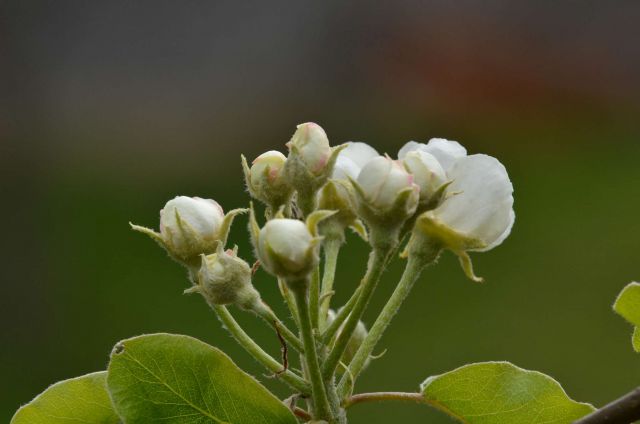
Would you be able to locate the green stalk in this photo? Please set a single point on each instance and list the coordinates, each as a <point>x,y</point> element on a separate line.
<point>331,251</point>
<point>321,408</point>
<point>257,352</point>
<point>267,314</point>
<point>330,332</point>
<point>412,271</point>
<point>289,300</point>
<point>377,260</point>
<point>314,297</point>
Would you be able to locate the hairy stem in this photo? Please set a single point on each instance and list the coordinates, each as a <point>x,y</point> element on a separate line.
<point>330,332</point>
<point>377,260</point>
<point>267,314</point>
<point>331,251</point>
<point>320,400</point>
<point>414,267</point>
<point>289,300</point>
<point>314,297</point>
<point>384,396</point>
<point>289,377</point>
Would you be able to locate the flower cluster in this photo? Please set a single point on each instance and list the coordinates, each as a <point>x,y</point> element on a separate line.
<point>433,194</point>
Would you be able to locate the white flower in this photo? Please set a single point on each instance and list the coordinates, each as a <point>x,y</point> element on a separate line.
<point>481,207</point>
<point>191,224</point>
<point>477,213</point>
<point>427,172</point>
<point>382,180</point>
<point>446,151</point>
<point>286,248</point>
<point>312,146</point>
<point>352,159</point>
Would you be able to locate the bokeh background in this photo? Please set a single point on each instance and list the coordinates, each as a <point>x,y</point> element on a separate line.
<point>109,109</point>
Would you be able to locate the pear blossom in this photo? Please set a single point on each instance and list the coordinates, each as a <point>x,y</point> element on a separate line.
<point>266,181</point>
<point>312,145</point>
<point>224,278</point>
<point>184,215</point>
<point>382,180</point>
<point>352,159</point>
<point>266,168</point>
<point>446,151</point>
<point>286,248</point>
<point>191,226</point>
<point>428,174</point>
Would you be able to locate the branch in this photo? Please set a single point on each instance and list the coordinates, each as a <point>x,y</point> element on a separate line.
<point>382,396</point>
<point>621,411</point>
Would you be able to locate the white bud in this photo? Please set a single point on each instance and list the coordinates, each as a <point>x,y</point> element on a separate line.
<point>224,278</point>
<point>427,173</point>
<point>287,248</point>
<point>265,179</point>
<point>266,168</point>
<point>190,226</point>
<point>382,180</point>
<point>312,145</point>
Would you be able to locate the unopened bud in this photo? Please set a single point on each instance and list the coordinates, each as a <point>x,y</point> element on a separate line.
<point>265,179</point>
<point>190,227</point>
<point>224,279</point>
<point>428,175</point>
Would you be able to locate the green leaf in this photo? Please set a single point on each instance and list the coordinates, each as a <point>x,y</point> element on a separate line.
<point>77,400</point>
<point>628,303</point>
<point>177,379</point>
<point>628,306</point>
<point>501,393</point>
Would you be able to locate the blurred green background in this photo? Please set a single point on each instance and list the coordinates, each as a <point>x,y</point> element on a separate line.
<point>109,109</point>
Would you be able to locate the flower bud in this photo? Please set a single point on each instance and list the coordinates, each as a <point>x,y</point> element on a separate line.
<point>428,175</point>
<point>312,145</point>
<point>447,152</point>
<point>224,279</point>
<point>352,159</point>
<point>310,163</point>
<point>337,195</point>
<point>358,336</point>
<point>190,227</point>
<point>265,179</point>
<point>386,198</point>
<point>382,180</point>
<point>287,248</point>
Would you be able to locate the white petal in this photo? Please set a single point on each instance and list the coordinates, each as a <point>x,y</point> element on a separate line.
<point>409,147</point>
<point>446,151</point>
<point>289,239</point>
<point>345,168</point>
<point>427,172</point>
<point>360,153</point>
<point>483,207</point>
<point>382,179</point>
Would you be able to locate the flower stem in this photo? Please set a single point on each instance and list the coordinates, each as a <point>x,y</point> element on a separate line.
<point>414,267</point>
<point>314,297</point>
<point>377,260</point>
<point>383,396</point>
<point>289,300</point>
<point>257,352</point>
<point>331,251</point>
<point>321,402</point>
<point>330,332</point>
<point>267,314</point>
